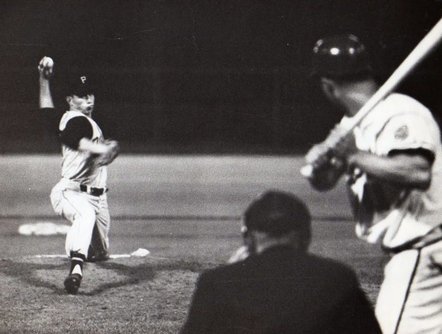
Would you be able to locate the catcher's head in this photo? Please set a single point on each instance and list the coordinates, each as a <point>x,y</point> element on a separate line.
<point>340,57</point>
<point>278,214</point>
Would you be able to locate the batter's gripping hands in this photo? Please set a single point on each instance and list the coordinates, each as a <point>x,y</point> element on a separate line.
<point>334,151</point>
<point>113,148</point>
<point>46,67</point>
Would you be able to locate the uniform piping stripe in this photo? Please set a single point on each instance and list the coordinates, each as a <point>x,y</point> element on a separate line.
<point>407,294</point>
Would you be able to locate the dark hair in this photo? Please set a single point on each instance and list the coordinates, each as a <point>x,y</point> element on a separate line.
<point>278,213</point>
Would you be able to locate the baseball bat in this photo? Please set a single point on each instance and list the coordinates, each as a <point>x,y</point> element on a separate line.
<point>423,49</point>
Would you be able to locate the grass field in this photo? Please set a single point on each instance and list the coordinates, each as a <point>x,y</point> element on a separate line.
<point>184,210</point>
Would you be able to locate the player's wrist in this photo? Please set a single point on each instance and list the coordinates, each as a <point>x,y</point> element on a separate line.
<point>353,160</point>
<point>43,79</point>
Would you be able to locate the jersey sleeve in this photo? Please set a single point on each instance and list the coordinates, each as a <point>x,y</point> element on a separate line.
<point>408,132</point>
<point>76,129</point>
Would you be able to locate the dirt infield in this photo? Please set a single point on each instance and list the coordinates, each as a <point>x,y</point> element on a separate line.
<point>185,211</point>
<point>138,295</point>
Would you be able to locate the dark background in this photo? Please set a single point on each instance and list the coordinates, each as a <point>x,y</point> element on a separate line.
<point>226,76</point>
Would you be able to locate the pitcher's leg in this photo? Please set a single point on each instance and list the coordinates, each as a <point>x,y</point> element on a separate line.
<point>99,248</point>
<point>78,209</point>
<point>80,212</point>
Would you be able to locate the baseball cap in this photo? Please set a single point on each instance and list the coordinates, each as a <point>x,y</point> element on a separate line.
<point>79,84</point>
<point>277,213</point>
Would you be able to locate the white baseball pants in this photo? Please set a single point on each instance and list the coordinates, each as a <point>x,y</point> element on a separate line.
<point>410,299</point>
<point>83,211</point>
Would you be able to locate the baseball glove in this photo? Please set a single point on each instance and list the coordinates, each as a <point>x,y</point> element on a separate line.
<point>110,155</point>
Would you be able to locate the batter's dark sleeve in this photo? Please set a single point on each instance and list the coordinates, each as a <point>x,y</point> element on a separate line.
<point>76,129</point>
<point>427,154</point>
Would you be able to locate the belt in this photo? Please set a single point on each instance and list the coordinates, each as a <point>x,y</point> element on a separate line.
<point>93,191</point>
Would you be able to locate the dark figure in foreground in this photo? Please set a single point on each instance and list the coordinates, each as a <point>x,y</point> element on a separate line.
<point>279,287</point>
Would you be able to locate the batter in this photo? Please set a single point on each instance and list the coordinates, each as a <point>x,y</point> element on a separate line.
<point>393,164</point>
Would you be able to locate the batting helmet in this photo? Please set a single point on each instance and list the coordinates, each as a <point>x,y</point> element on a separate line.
<point>340,56</point>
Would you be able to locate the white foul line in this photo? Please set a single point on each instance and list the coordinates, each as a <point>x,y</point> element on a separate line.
<point>140,252</point>
<point>56,256</point>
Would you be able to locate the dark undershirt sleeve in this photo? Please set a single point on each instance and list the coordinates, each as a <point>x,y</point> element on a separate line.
<point>427,154</point>
<point>76,129</point>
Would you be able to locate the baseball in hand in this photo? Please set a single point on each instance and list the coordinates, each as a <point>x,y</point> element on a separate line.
<point>47,62</point>
<point>46,67</point>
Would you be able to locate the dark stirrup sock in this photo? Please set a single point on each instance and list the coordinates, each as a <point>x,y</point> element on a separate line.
<point>77,261</point>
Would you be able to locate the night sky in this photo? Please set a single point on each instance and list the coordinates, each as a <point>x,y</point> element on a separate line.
<point>200,76</point>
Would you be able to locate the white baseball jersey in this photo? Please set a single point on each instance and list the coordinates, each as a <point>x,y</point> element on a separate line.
<point>409,300</point>
<point>85,211</point>
<point>77,165</point>
<point>388,215</point>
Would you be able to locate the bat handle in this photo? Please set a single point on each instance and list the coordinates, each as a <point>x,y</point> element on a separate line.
<point>307,171</point>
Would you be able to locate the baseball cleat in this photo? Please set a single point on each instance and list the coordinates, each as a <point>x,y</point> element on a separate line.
<point>72,283</point>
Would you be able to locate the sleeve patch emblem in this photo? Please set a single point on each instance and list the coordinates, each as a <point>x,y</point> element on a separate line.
<point>401,133</point>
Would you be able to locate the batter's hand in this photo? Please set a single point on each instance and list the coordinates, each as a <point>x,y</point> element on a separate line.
<point>334,151</point>
<point>318,156</point>
<point>341,142</point>
<point>46,67</point>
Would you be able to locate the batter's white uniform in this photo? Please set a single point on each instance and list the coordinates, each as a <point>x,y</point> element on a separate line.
<point>407,223</point>
<point>73,196</point>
